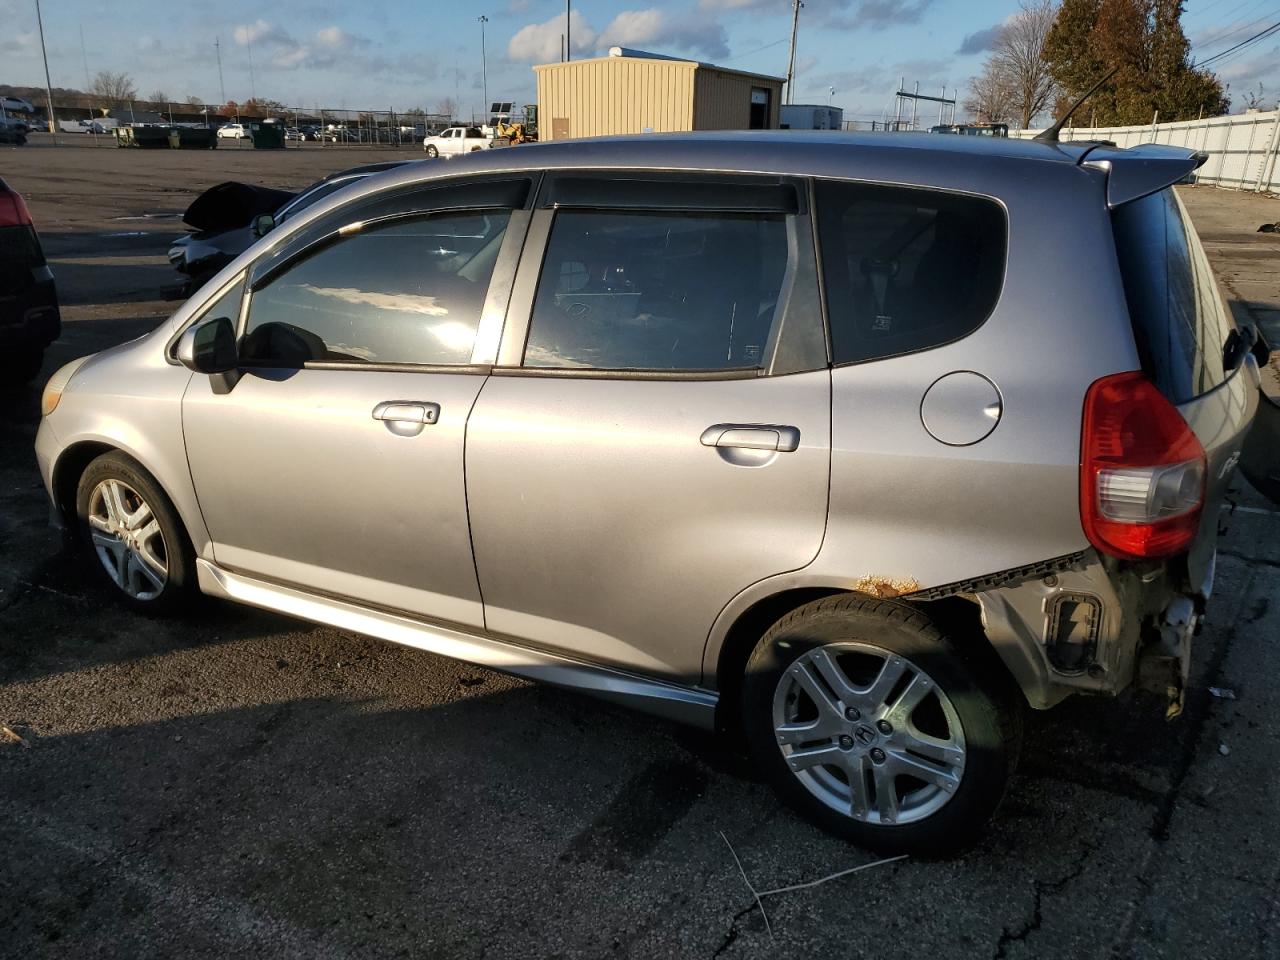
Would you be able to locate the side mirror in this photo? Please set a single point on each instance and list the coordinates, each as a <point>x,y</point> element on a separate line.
<point>263,224</point>
<point>209,347</point>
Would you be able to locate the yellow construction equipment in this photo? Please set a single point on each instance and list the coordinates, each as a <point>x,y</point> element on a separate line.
<point>514,132</point>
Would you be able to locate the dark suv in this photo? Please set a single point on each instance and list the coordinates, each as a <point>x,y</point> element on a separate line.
<point>29,317</point>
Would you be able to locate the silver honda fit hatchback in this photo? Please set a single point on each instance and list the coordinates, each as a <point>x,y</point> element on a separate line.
<point>856,446</point>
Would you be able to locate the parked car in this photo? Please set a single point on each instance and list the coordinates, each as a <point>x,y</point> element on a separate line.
<point>12,132</point>
<point>458,140</point>
<point>816,439</point>
<point>29,316</point>
<point>293,133</point>
<point>230,216</point>
<point>234,131</point>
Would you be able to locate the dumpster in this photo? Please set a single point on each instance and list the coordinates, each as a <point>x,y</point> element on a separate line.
<point>268,136</point>
<point>197,138</point>
<point>144,137</point>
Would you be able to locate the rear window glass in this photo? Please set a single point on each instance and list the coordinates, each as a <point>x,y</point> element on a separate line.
<point>1180,322</point>
<point>906,269</point>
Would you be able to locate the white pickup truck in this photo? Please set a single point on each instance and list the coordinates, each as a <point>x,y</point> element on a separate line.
<point>458,140</point>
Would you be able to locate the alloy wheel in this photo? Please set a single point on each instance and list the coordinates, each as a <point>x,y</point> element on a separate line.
<point>127,539</point>
<point>869,733</point>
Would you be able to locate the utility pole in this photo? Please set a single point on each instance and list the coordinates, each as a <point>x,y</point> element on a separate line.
<point>791,61</point>
<point>484,70</point>
<point>222,89</point>
<point>568,31</point>
<point>253,90</point>
<point>48,84</point>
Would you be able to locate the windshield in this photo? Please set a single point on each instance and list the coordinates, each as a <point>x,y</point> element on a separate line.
<point>318,192</point>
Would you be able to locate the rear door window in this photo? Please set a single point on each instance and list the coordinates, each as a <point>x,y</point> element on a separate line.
<point>639,290</point>
<point>906,269</point>
<point>1180,321</point>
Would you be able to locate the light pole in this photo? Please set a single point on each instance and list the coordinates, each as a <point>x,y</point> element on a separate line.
<point>484,70</point>
<point>568,28</point>
<point>48,84</point>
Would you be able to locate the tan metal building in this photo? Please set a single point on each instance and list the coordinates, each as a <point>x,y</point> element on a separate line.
<point>631,91</point>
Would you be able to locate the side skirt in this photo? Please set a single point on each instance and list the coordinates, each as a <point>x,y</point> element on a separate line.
<point>682,704</point>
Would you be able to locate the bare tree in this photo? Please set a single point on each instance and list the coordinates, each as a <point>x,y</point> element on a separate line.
<point>1017,65</point>
<point>113,86</point>
<point>193,101</point>
<point>1253,98</point>
<point>159,97</point>
<point>990,98</point>
<point>447,107</point>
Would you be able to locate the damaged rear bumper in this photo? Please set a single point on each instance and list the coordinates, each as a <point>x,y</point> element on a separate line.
<point>1094,626</point>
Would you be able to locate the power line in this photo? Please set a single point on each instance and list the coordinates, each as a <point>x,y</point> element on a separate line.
<point>1261,34</point>
<point>1242,28</point>
<point>756,50</point>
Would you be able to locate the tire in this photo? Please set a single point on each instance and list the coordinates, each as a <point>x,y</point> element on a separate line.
<point>432,152</point>
<point>872,662</point>
<point>158,534</point>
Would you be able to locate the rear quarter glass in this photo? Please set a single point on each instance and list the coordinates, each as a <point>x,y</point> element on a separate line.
<point>907,269</point>
<point>1180,320</point>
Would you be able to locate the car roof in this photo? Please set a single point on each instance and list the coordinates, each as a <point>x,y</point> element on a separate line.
<point>980,164</point>
<point>689,147</point>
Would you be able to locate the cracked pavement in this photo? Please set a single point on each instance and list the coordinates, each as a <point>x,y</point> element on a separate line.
<point>238,783</point>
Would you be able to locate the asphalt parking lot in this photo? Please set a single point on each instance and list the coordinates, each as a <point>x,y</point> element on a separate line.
<point>237,783</point>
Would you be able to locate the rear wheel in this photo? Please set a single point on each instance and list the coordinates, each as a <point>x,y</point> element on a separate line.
<point>135,539</point>
<point>876,726</point>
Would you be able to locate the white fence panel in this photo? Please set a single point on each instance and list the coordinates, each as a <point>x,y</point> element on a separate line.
<point>1242,148</point>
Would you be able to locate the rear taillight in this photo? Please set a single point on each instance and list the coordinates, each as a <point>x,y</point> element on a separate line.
<point>1142,471</point>
<point>13,210</point>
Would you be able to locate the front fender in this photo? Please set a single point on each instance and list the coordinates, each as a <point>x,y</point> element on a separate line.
<point>130,398</point>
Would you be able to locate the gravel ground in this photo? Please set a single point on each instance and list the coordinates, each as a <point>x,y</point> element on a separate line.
<point>233,782</point>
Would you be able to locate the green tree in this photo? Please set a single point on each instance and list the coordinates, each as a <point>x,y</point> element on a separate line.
<point>1145,40</point>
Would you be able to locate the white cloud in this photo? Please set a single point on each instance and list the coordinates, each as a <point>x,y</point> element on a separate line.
<point>540,42</point>
<point>260,31</point>
<point>335,38</point>
<point>290,57</point>
<point>656,28</point>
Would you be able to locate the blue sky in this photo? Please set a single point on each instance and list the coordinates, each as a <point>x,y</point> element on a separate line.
<point>404,53</point>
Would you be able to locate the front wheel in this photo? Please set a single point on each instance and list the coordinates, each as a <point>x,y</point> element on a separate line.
<point>135,539</point>
<point>877,727</point>
<point>432,152</point>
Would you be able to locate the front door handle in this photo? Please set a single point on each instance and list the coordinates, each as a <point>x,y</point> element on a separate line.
<point>406,418</point>
<point>752,436</point>
<point>407,411</point>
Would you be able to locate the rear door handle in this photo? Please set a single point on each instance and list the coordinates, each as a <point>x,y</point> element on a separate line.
<point>752,436</point>
<point>407,411</point>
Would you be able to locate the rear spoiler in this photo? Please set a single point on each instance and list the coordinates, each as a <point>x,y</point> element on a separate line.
<point>1140,171</point>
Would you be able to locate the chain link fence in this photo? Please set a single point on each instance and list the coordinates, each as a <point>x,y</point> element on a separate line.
<point>313,126</point>
<point>1242,148</point>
